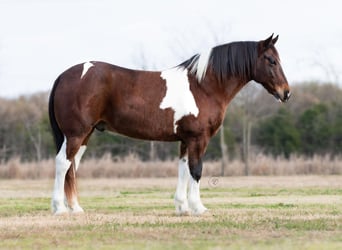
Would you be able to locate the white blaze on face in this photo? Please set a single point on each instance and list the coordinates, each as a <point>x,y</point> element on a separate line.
<point>86,67</point>
<point>178,94</point>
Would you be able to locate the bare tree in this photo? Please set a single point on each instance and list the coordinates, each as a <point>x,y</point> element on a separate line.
<point>20,129</point>
<point>224,151</point>
<point>246,99</point>
<point>30,113</point>
<point>329,69</point>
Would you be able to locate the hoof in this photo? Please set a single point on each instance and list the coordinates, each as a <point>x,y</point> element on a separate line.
<point>61,211</point>
<point>58,208</point>
<point>77,210</point>
<point>183,212</point>
<point>182,207</point>
<point>198,209</point>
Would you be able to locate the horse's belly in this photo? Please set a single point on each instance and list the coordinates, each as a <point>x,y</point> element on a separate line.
<point>144,126</point>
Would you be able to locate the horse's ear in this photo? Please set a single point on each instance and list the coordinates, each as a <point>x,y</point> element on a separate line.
<point>274,40</point>
<point>268,41</point>
<point>264,44</point>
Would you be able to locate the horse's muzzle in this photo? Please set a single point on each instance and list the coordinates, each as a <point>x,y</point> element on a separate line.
<point>287,95</point>
<point>284,97</point>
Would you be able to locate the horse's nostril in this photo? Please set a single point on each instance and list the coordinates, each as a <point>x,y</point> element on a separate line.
<point>287,95</point>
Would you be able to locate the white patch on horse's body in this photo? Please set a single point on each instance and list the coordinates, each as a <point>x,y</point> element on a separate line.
<point>201,64</point>
<point>178,94</point>
<point>62,166</point>
<point>181,197</point>
<point>86,67</point>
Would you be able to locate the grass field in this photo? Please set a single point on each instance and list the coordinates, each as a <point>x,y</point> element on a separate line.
<point>295,212</point>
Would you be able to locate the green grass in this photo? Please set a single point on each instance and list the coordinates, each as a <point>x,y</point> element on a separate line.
<point>20,206</point>
<point>248,217</point>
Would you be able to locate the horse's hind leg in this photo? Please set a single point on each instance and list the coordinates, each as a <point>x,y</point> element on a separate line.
<point>62,166</point>
<point>67,162</point>
<point>70,182</point>
<point>75,150</point>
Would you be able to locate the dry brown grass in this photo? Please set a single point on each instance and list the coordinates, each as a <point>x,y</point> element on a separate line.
<point>259,212</point>
<point>132,167</point>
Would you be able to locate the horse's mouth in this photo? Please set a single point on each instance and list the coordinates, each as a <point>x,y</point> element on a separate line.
<point>277,97</point>
<point>285,98</point>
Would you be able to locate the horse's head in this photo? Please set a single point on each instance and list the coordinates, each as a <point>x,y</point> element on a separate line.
<point>268,70</point>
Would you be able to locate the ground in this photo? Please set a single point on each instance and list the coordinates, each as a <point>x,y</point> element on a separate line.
<point>295,212</point>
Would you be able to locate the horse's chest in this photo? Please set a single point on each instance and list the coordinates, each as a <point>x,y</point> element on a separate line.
<point>178,95</point>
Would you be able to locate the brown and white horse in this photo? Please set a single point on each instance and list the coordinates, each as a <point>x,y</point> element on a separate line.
<point>186,103</point>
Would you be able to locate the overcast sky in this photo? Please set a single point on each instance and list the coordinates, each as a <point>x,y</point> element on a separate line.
<point>39,39</point>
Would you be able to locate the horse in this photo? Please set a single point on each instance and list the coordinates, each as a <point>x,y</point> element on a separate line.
<point>186,103</point>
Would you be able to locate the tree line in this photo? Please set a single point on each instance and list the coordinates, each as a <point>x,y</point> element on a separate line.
<point>310,123</point>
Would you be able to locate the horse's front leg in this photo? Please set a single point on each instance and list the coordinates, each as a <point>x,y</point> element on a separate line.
<point>196,151</point>
<point>195,202</point>
<point>181,196</point>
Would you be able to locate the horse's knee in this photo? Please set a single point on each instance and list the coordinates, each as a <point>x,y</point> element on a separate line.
<point>196,170</point>
<point>196,149</point>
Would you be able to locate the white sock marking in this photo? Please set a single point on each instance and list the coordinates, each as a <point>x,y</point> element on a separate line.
<point>195,202</point>
<point>86,67</point>
<point>181,200</point>
<point>62,166</point>
<point>178,94</point>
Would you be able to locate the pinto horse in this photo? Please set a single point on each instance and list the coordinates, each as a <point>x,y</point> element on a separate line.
<point>186,103</point>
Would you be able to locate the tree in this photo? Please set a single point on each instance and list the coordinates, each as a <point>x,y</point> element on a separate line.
<point>315,131</point>
<point>278,135</point>
<point>337,130</point>
<point>246,100</point>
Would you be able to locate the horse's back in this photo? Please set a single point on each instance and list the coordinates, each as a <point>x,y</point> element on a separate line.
<point>119,99</point>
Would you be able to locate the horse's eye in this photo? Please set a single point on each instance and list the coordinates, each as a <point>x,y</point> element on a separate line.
<point>271,60</point>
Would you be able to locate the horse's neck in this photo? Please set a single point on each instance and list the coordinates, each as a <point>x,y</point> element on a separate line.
<point>225,91</point>
<point>232,87</point>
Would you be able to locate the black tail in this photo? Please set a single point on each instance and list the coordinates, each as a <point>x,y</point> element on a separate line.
<point>56,131</point>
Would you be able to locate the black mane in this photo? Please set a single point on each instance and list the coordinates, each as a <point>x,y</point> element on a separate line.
<point>228,60</point>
